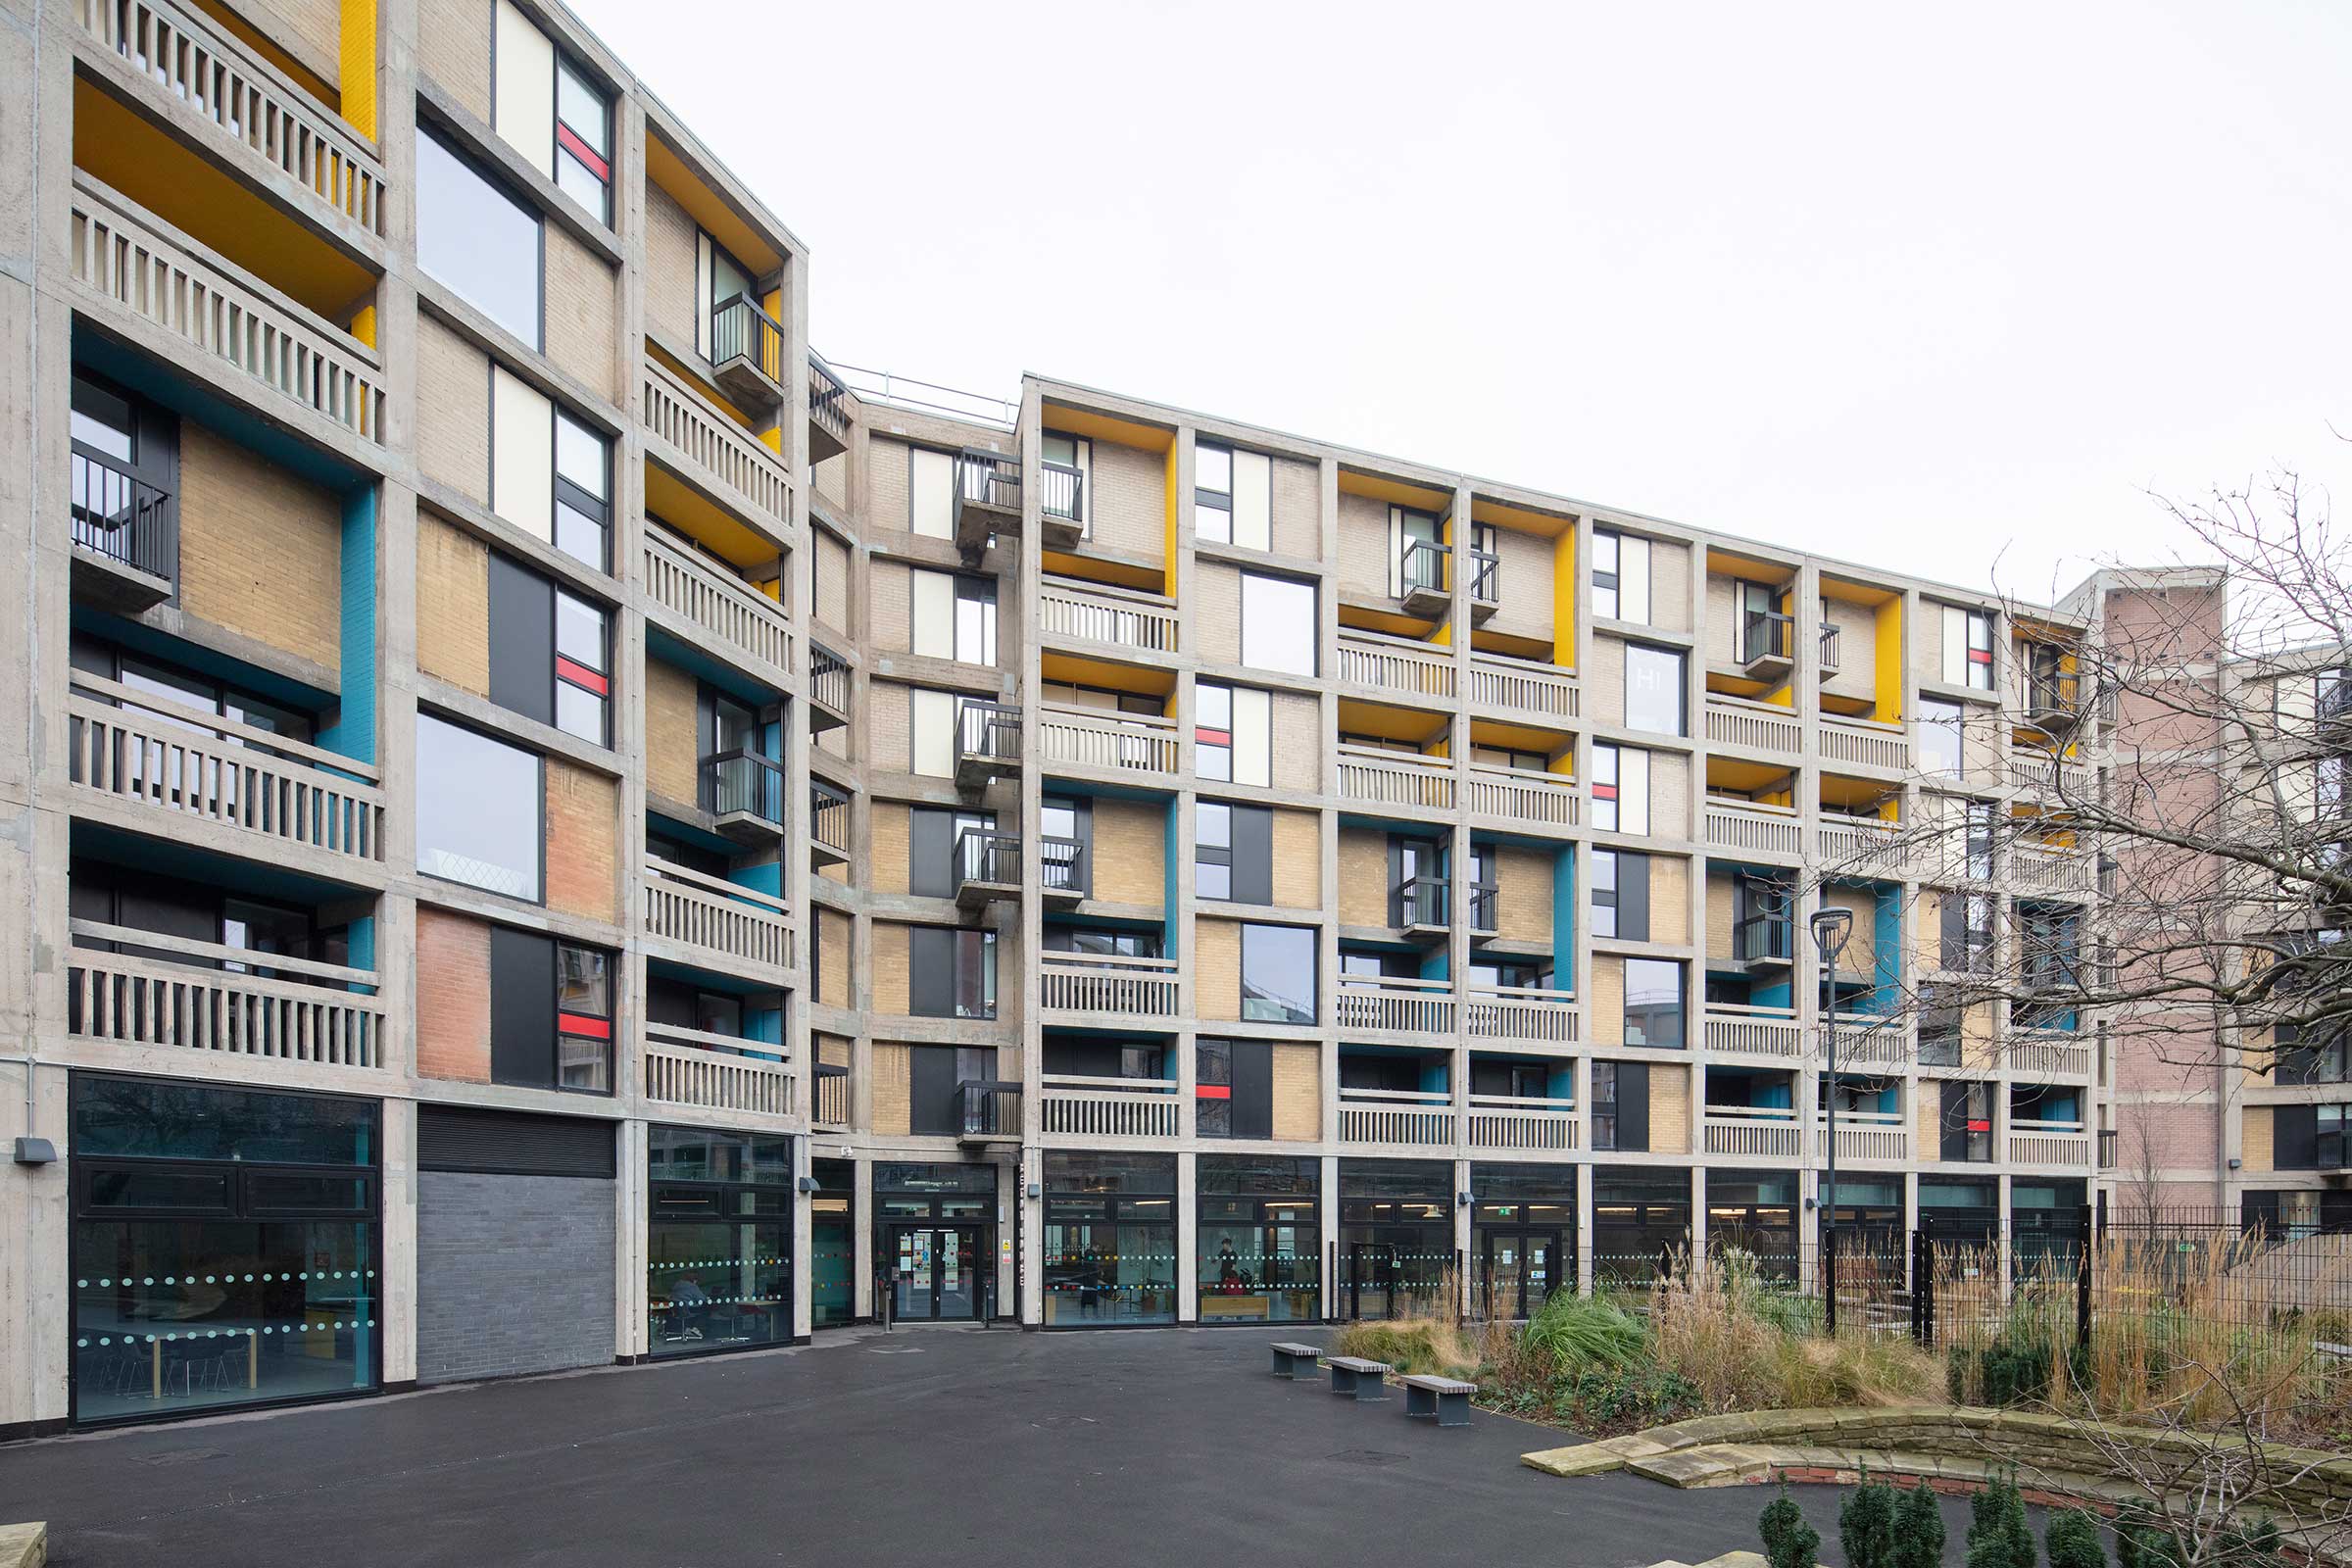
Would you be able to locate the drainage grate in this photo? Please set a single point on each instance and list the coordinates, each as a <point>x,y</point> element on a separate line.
<point>1366,1456</point>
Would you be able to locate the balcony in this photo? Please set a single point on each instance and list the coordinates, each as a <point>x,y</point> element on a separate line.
<point>747,353</point>
<point>829,824</point>
<point>1111,616</point>
<point>1106,983</point>
<point>1420,907</point>
<point>1523,1124</point>
<point>708,923</point>
<point>258,121</point>
<point>1403,1117</point>
<point>1521,797</point>
<point>1521,1012</point>
<point>829,1098</point>
<point>828,412</point>
<point>1764,941</point>
<point>176,993</point>
<point>2053,701</point>
<point>2110,1147</point>
<point>1865,743</point>
<point>125,537</point>
<point>1522,687</point>
<point>1767,646</point>
<point>1485,584</point>
<point>1484,905</point>
<point>1750,1132</point>
<point>1396,664</point>
<point>710,609</point>
<point>1061,506</point>
<point>745,791</point>
<point>1753,727</point>
<point>131,269</point>
<point>1860,844</point>
<point>1395,1004</point>
<point>704,448</point>
<point>2051,776</point>
<point>1374,775</point>
<point>1127,744</point>
<point>1886,1047</point>
<point>713,1072</point>
<point>158,767</point>
<point>988,866</point>
<point>2045,1053</point>
<point>2063,871</point>
<point>1752,827</point>
<point>1079,1106</point>
<point>1063,874</point>
<point>1421,573</point>
<point>1867,1134</point>
<point>988,1111</point>
<point>1764,1033</point>
<point>828,689</point>
<point>988,743</point>
<point>1830,652</point>
<point>987,497</point>
<point>2064,1144</point>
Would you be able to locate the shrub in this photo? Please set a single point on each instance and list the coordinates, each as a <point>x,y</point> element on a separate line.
<point>2073,1541</point>
<point>1997,1533</point>
<point>1611,1396</point>
<point>2141,1545</point>
<point>1575,1331</point>
<point>1788,1542</point>
<point>1866,1525</point>
<point>1918,1530</point>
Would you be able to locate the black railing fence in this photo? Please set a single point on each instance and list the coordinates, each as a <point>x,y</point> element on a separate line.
<point>124,518</point>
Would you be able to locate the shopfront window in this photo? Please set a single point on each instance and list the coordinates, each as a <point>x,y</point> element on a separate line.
<point>1259,1243</point>
<point>1754,1212</point>
<point>832,1244</point>
<point>1641,1221</point>
<point>1396,1237</point>
<point>1110,1240</point>
<point>224,1249</point>
<point>718,1244</point>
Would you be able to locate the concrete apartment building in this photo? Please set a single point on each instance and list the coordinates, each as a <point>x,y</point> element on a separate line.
<point>543,826</point>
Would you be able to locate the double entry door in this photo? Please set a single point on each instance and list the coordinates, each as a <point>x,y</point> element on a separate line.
<point>935,1272</point>
<point>1516,1270</point>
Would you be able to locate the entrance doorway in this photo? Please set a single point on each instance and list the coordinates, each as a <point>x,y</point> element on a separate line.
<point>1516,1270</point>
<point>935,1272</point>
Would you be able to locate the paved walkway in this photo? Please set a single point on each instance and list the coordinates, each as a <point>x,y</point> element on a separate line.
<point>958,1448</point>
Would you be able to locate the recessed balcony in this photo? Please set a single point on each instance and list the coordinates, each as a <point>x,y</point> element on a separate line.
<point>1087,1106</point>
<point>1750,1132</point>
<point>1524,687</point>
<point>1770,1034</point>
<point>1766,728</point>
<point>1394,1004</point>
<point>1396,1117</point>
<point>1375,776</point>
<point>2066,1145</point>
<point>1874,1136</point>
<point>713,455</point>
<point>176,993</point>
<point>1528,1013</point>
<point>716,1073</point>
<point>1090,740</point>
<point>1517,797</point>
<point>1114,617</point>
<point>705,606</point>
<point>1109,984</point>
<point>1753,827</point>
<point>706,923</point>
<point>1521,1124</point>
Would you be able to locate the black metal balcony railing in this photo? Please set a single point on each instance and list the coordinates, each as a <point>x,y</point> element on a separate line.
<point>1765,634</point>
<point>2334,706</point>
<point>1483,907</point>
<point>1061,866</point>
<point>829,816</point>
<point>1061,492</point>
<point>988,732</point>
<point>2110,1146</point>
<point>988,1109</point>
<point>1419,901</point>
<point>985,478</point>
<point>828,399</point>
<point>2054,697</point>
<point>1828,646</point>
<point>741,331</point>
<point>124,518</point>
<point>1764,938</point>
<point>1485,577</point>
<point>828,678</point>
<point>743,781</point>
<point>1422,568</point>
<point>988,855</point>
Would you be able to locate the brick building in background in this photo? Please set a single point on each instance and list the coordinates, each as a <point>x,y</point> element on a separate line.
<point>546,825</point>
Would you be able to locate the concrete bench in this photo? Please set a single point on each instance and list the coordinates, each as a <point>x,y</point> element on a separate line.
<point>1446,1398</point>
<point>1290,1359</point>
<point>1359,1379</point>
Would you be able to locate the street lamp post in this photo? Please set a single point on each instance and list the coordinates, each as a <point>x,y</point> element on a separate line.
<point>1832,928</point>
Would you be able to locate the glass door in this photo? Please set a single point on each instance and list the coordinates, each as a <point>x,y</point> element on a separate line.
<point>1371,1279</point>
<point>1517,1269</point>
<point>914,1280</point>
<point>936,1273</point>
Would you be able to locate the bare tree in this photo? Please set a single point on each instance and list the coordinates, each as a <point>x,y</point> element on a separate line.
<point>2143,824</point>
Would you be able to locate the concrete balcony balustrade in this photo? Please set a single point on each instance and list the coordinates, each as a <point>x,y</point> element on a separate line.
<point>713,1072</point>
<point>1078,1106</point>
<point>710,609</point>
<point>179,994</point>
<point>708,923</point>
<point>1144,989</point>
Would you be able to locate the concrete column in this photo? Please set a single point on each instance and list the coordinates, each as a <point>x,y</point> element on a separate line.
<point>1333,1268</point>
<point>1187,1238</point>
<point>861,1238</point>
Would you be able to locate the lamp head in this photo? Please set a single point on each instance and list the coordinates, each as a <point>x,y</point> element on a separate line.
<point>1833,928</point>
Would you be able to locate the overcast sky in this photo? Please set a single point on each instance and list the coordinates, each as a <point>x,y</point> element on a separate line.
<point>1921,286</point>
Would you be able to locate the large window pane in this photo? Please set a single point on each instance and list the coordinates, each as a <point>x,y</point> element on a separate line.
<point>1653,1001</point>
<point>1278,974</point>
<point>473,237</point>
<point>1278,624</point>
<point>1653,690</point>
<point>478,810</point>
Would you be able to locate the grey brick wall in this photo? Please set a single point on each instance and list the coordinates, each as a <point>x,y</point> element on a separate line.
<point>513,1274</point>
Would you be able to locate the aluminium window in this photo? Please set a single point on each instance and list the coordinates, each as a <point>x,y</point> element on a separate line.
<point>1620,576</point>
<point>1656,698</point>
<point>1233,1095</point>
<point>1620,1108</point>
<point>1279,626</point>
<point>480,809</point>
<point>1212,849</point>
<point>1964,932</point>
<point>1233,856</point>
<point>955,616</point>
<point>952,973</point>
<point>1942,738</point>
<point>478,240</point>
<point>1108,942</point>
<point>1233,734</point>
<point>547,107</point>
<point>1233,496</point>
<point>1965,1122</point>
<point>550,474</point>
<point>1653,1002</point>
<point>1278,974</point>
<point>551,1012</point>
<point>1967,648</point>
<point>549,651</point>
<point>1621,790</point>
<point>1621,895</point>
